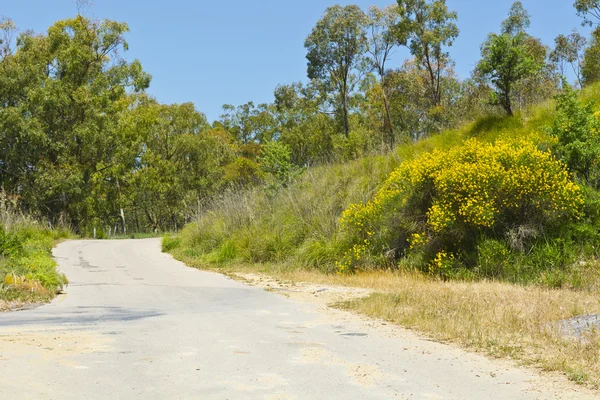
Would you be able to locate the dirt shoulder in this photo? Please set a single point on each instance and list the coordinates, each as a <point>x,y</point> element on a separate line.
<point>507,323</point>
<point>317,293</point>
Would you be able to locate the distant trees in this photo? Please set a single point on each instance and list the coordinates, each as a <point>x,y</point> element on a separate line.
<point>590,68</point>
<point>569,50</point>
<point>380,25</point>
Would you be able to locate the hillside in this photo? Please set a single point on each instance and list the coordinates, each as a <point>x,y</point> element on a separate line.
<point>299,226</point>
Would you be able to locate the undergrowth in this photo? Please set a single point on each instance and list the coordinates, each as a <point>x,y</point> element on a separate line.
<point>28,272</point>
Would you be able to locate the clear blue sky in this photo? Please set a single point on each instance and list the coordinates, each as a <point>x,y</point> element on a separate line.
<point>213,52</point>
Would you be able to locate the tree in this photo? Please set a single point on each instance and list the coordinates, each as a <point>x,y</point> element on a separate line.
<point>380,43</point>
<point>335,50</point>
<point>305,128</point>
<point>569,50</point>
<point>518,20</point>
<point>506,57</point>
<point>249,123</point>
<point>590,70</point>
<point>541,85</point>
<point>62,95</point>
<point>428,26</point>
<point>7,34</point>
<point>589,10</point>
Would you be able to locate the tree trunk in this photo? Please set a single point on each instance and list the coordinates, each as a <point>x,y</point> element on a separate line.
<point>345,114</point>
<point>123,222</point>
<point>388,119</point>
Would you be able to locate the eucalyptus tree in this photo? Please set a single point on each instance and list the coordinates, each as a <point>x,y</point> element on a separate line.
<point>63,94</point>
<point>589,10</point>
<point>428,27</point>
<point>335,54</point>
<point>8,30</point>
<point>590,70</point>
<point>249,123</point>
<point>380,45</point>
<point>305,127</point>
<point>569,50</point>
<point>507,58</point>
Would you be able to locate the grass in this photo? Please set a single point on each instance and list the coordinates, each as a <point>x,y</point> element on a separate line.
<point>136,235</point>
<point>500,319</point>
<point>28,273</point>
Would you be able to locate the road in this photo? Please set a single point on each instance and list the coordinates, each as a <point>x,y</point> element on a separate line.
<point>136,324</point>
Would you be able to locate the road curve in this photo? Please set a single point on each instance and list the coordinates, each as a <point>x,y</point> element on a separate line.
<point>136,324</point>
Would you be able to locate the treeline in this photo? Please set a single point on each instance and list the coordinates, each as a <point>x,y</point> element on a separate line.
<point>82,144</point>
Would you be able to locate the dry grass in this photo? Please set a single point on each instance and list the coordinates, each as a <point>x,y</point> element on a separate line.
<point>501,319</point>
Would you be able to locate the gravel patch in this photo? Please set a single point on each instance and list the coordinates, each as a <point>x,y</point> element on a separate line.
<point>578,327</point>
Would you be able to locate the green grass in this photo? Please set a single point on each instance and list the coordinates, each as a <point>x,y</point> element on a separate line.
<point>28,272</point>
<point>142,235</point>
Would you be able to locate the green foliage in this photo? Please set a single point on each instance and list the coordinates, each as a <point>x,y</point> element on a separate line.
<point>442,202</point>
<point>568,50</point>
<point>507,58</point>
<point>590,69</point>
<point>295,225</point>
<point>577,129</point>
<point>170,243</point>
<point>335,50</point>
<point>27,269</point>
<point>428,26</point>
<point>275,160</point>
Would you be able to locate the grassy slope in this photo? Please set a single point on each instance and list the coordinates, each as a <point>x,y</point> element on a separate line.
<point>298,226</point>
<point>292,235</point>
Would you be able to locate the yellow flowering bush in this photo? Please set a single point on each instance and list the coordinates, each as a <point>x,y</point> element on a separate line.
<point>445,200</point>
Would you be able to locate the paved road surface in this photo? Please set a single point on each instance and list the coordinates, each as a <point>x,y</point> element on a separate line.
<point>135,324</point>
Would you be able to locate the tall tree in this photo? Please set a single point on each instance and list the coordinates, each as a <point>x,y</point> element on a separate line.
<point>590,70</point>
<point>589,10</point>
<point>380,44</point>
<point>335,50</point>
<point>518,20</point>
<point>428,26</point>
<point>62,95</point>
<point>507,58</point>
<point>569,50</point>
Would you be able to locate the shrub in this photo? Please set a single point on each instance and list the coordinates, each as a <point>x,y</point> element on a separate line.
<point>577,129</point>
<point>26,265</point>
<point>170,243</point>
<point>444,203</point>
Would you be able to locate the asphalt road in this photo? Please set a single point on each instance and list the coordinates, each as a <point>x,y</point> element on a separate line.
<point>136,324</point>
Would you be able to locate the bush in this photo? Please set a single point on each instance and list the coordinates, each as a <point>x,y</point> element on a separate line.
<point>26,265</point>
<point>444,203</point>
<point>577,129</point>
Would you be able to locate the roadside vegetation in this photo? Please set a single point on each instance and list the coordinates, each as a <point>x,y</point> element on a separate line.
<point>28,273</point>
